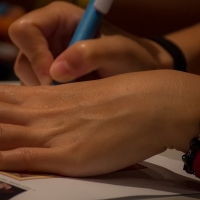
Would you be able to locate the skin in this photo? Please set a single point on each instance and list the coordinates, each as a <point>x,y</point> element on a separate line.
<point>94,127</point>
<point>45,56</point>
<point>82,133</point>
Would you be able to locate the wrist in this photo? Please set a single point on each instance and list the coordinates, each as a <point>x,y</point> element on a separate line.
<point>181,110</point>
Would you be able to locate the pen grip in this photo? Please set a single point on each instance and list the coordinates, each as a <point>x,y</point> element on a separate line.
<point>87,27</point>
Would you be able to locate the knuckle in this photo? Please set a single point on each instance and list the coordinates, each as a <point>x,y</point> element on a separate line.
<point>26,157</point>
<point>83,52</point>
<point>83,49</point>
<point>13,28</point>
<point>18,27</point>
<point>120,40</point>
<point>2,132</point>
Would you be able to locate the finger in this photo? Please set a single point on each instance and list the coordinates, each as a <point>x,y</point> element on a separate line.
<point>34,33</point>
<point>14,114</point>
<point>14,94</point>
<point>13,136</point>
<point>87,56</point>
<point>31,160</point>
<point>22,83</point>
<point>35,49</point>
<point>24,71</point>
<point>9,94</point>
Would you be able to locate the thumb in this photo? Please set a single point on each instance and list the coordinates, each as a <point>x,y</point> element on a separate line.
<point>110,55</point>
<point>74,62</point>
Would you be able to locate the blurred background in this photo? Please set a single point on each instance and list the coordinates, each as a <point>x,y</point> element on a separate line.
<point>10,10</point>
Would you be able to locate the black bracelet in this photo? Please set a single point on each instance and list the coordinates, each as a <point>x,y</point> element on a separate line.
<point>188,158</point>
<point>177,55</point>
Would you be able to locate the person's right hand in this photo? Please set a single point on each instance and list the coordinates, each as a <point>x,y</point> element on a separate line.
<point>43,36</point>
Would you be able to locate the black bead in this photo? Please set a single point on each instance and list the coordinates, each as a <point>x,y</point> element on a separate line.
<point>195,145</point>
<point>187,159</point>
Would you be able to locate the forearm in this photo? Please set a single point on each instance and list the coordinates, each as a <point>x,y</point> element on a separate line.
<point>187,40</point>
<point>175,106</point>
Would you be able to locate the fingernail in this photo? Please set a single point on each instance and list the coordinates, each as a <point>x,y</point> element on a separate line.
<point>62,71</point>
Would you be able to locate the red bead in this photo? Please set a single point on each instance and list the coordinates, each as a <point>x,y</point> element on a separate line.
<point>196,164</point>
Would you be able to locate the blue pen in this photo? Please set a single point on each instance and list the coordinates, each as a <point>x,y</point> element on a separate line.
<point>90,21</point>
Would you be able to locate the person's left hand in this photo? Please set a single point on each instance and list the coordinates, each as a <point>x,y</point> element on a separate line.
<point>96,127</point>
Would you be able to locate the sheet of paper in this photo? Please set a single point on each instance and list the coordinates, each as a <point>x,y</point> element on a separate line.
<point>157,176</point>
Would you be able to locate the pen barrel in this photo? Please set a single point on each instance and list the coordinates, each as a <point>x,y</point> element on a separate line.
<point>88,25</point>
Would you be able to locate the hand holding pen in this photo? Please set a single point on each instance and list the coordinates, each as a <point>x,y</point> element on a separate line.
<point>118,106</point>
<point>43,37</point>
<point>39,51</point>
<point>89,24</point>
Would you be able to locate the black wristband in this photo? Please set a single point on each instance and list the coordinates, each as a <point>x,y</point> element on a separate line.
<point>177,55</point>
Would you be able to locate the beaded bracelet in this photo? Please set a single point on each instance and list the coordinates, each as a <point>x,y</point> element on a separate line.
<point>192,158</point>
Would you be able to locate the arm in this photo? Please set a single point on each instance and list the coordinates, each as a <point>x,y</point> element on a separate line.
<point>97,127</point>
<point>187,40</point>
<point>46,56</point>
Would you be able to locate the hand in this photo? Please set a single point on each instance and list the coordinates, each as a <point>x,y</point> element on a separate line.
<point>96,127</point>
<point>43,36</point>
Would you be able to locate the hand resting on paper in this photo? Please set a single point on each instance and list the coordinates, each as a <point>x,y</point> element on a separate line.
<point>96,127</point>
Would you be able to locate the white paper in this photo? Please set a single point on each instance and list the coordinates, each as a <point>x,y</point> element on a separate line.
<point>162,177</point>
